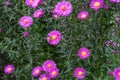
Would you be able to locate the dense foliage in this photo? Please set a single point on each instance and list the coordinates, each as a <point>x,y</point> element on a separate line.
<point>27,52</point>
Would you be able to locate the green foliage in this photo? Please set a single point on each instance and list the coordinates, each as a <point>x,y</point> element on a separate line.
<point>26,53</point>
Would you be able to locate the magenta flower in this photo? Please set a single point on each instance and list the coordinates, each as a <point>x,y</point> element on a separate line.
<point>29,2</point>
<point>8,3</point>
<point>115,52</point>
<point>44,77</point>
<point>117,79</point>
<point>9,69</point>
<point>83,15</point>
<point>26,34</point>
<point>107,43</point>
<point>83,53</point>
<point>96,4</point>
<point>38,13</point>
<point>116,1</point>
<point>48,65</point>
<point>54,37</point>
<point>36,71</point>
<point>79,73</point>
<point>53,73</point>
<point>36,3</point>
<point>114,44</point>
<point>55,15</point>
<point>116,73</point>
<point>110,73</point>
<point>26,21</point>
<point>106,7</point>
<point>63,8</point>
<point>33,3</point>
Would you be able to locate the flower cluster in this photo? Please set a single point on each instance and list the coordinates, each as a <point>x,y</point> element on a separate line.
<point>26,21</point>
<point>49,70</point>
<point>112,45</point>
<point>33,3</point>
<point>79,72</point>
<point>63,8</point>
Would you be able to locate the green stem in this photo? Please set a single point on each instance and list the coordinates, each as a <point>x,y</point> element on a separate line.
<point>100,45</point>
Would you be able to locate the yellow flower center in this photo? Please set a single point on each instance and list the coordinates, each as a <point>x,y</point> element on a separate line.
<point>97,4</point>
<point>63,8</point>
<point>37,71</point>
<point>54,37</point>
<point>9,69</point>
<point>54,72</point>
<point>49,66</point>
<point>39,13</point>
<point>83,16</point>
<point>119,74</point>
<point>83,53</point>
<point>26,21</point>
<point>80,73</point>
<point>44,78</point>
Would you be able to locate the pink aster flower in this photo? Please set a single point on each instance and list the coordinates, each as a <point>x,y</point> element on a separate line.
<point>26,21</point>
<point>116,73</point>
<point>48,65</point>
<point>83,15</point>
<point>36,71</point>
<point>96,4</point>
<point>36,3</point>
<point>26,34</point>
<point>79,73</point>
<point>116,1</point>
<point>63,8</point>
<point>38,13</point>
<point>54,37</point>
<point>44,77</point>
<point>83,53</point>
<point>9,69</point>
<point>53,73</point>
<point>29,2</point>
